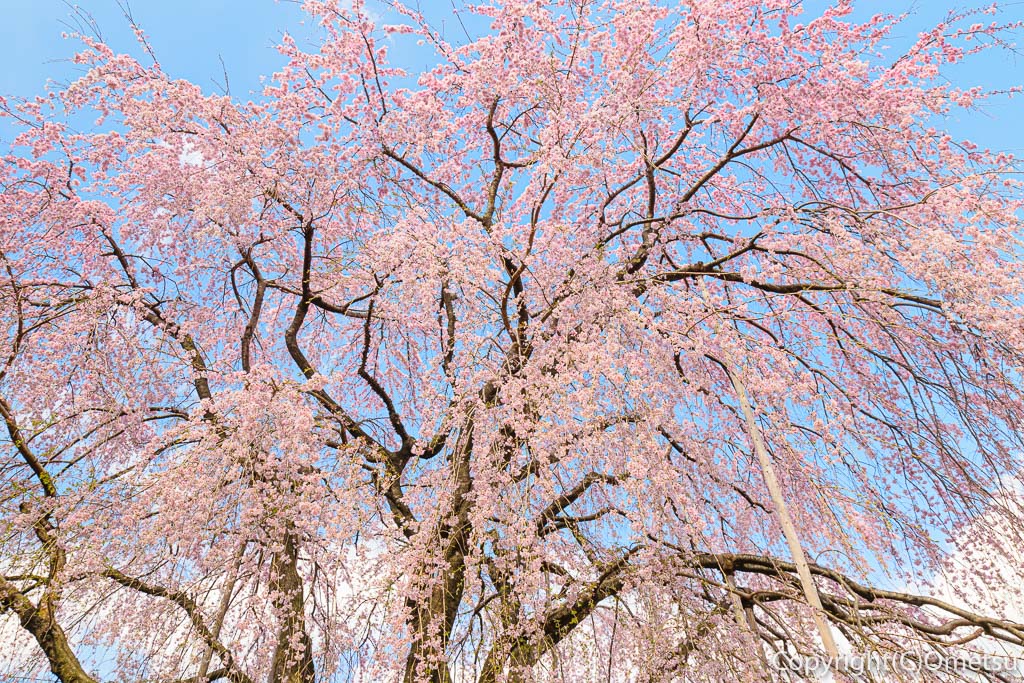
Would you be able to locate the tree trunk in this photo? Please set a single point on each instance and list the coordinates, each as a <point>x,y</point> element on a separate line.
<point>432,619</point>
<point>293,653</point>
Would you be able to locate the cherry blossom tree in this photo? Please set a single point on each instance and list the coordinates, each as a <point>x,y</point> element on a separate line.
<point>625,340</point>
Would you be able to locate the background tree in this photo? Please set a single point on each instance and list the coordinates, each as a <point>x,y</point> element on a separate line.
<point>478,373</point>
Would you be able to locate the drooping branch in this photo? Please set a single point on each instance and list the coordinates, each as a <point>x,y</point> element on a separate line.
<point>192,611</point>
<point>861,606</point>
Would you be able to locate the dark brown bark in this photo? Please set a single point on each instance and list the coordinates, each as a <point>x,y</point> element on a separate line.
<point>293,653</point>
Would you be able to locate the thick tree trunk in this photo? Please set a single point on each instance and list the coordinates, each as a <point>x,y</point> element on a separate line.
<point>432,619</point>
<point>293,653</point>
<point>432,622</point>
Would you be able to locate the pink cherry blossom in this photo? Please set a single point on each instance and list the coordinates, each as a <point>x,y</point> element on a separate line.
<point>626,340</point>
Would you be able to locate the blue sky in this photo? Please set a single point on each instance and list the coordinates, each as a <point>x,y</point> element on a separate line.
<point>191,37</point>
